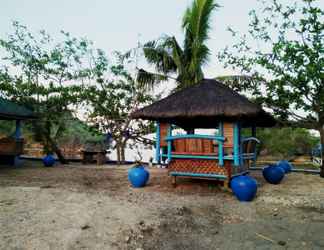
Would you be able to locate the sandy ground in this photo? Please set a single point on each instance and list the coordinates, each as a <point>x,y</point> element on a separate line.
<point>90,207</point>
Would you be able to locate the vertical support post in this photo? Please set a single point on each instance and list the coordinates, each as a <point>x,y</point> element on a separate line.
<point>169,143</point>
<point>17,137</point>
<point>253,131</point>
<point>255,151</point>
<point>240,145</point>
<point>158,141</point>
<point>18,129</point>
<point>236,144</point>
<point>220,146</point>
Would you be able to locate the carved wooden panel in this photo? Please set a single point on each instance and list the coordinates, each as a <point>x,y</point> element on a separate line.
<point>228,131</point>
<point>196,166</point>
<point>163,133</point>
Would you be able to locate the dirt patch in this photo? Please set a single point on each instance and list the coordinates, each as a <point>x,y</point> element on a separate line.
<point>90,207</point>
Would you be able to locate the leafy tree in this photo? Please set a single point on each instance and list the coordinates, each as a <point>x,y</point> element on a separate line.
<point>288,63</point>
<point>47,77</point>
<point>7,128</point>
<point>111,101</point>
<point>183,64</point>
<point>79,132</point>
<point>298,141</point>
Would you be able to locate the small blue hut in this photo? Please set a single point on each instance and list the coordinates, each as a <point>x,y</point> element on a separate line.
<point>12,145</point>
<point>208,105</point>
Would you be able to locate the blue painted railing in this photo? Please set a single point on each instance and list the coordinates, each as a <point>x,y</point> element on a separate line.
<point>237,157</point>
<point>236,144</point>
<point>220,145</point>
<point>201,175</point>
<point>157,146</point>
<point>169,143</point>
<point>251,139</point>
<point>188,156</point>
<point>171,138</point>
<point>251,156</point>
<point>195,136</point>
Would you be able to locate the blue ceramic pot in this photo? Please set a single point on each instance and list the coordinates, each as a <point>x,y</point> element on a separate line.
<point>244,188</point>
<point>48,161</point>
<point>285,165</point>
<point>273,174</point>
<point>138,176</point>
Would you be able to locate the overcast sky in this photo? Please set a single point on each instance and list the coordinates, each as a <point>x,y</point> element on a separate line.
<point>120,24</point>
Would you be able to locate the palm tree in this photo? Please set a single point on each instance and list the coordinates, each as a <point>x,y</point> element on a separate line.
<point>183,64</point>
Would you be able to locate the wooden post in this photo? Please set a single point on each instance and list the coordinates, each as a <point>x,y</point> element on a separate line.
<point>220,146</point>
<point>169,143</point>
<point>17,137</point>
<point>236,144</point>
<point>158,142</point>
<point>18,129</point>
<point>253,131</point>
<point>255,151</point>
<point>174,181</point>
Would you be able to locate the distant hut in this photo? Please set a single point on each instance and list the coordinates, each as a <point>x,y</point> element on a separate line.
<point>12,146</point>
<point>209,104</point>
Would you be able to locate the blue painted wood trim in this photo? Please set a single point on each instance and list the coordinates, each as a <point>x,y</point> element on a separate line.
<point>191,156</point>
<point>158,143</point>
<point>254,158</point>
<point>217,176</point>
<point>195,136</point>
<point>169,143</point>
<point>18,129</point>
<point>251,138</point>
<point>239,174</point>
<point>220,146</point>
<point>240,145</point>
<point>236,144</point>
<point>207,157</point>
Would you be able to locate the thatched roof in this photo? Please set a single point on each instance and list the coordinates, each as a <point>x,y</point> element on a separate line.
<point>203,106</point>
<point>11,111</point>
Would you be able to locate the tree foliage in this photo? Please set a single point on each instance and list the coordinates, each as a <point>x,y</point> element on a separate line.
<point>298,141</point>
<point>181,63</point>
<point>47,77</point>
<point>288,62</point>
<point>112,99</point>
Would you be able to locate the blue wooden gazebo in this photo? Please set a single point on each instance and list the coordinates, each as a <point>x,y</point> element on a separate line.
<point>12,146</point>
<point>212,105</point>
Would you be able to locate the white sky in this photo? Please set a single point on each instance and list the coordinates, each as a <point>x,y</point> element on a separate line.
<point>119,25</point>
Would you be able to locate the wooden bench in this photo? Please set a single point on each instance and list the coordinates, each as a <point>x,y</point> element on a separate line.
<point>89,157</point>
<point>10,148</point>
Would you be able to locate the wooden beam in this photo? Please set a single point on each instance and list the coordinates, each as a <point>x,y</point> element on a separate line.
<point>236,144</point>
<point>158,141</point>
<point>220,146</point>
<point>18,129</point>
<point>169,143</point>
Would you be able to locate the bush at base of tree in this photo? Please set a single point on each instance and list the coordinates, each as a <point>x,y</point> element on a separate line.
<point>287,142</point>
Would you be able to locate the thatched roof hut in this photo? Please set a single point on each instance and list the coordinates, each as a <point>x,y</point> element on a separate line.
<point>11,111</point>
<point>203,106</point>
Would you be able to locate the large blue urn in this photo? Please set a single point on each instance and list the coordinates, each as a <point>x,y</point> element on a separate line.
<point>273,174</point>
<point>48,160</point>
<point>138,176</point>
<point>285,165</point>
<point>244,187</point>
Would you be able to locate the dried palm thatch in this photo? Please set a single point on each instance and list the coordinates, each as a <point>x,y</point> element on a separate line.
<point>203,106</point>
